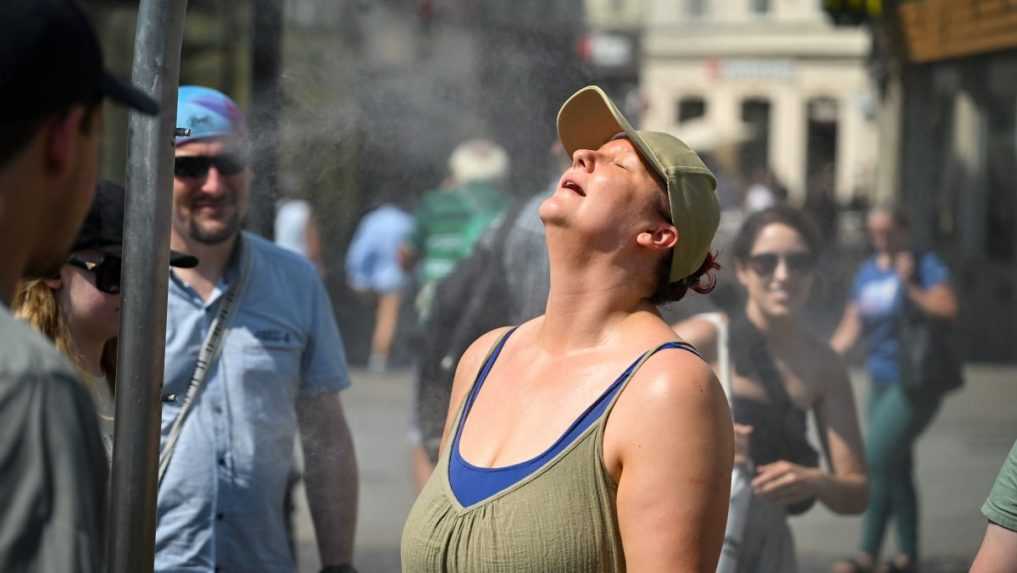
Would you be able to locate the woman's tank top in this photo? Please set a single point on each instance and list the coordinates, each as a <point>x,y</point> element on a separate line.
<point>560,516</point>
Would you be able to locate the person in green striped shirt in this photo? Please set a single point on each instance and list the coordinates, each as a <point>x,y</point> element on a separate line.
<point>450,219</point>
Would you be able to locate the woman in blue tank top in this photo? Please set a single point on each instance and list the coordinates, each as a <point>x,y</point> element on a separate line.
<point>893,281</point>
<point>628,228</point>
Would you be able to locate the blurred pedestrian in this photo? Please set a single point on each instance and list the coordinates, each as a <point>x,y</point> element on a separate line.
<point>779,372</point>
<point>449,220</point>
<point>547,465</point>
<point>765,191</point>
<point>79,307</point>
<point>53,481</point>
<point>252,355</point>
<point>998,553</point>
<point>895,281</point>
<point>297,230</point>
<point>372,267</point>
<point>447,224</point>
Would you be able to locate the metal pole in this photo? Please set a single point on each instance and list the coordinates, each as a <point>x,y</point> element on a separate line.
<point>158,40</point>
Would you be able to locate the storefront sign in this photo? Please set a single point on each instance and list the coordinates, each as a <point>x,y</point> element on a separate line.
<point>941,29</point>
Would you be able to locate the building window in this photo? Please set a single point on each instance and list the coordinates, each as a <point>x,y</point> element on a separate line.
<point>688,108</point>
<point>754,155</point>
<point>760,6</point>
<point>695,8</point>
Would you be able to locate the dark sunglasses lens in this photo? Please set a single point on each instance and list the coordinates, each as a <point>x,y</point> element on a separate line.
<point>191,167</point>
<point>229,164</point>
<point>107,275</point>
<point>763,265</point>
<point>801,263</point>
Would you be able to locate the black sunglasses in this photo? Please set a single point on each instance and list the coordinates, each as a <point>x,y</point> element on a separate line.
<point>764,264</point>
<point>106,272</point>
<point>197,166</point>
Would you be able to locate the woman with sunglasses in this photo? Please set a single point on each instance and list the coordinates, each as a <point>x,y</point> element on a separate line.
<point>590,439</point>
<point>79,310</point>
<point>781,371</point>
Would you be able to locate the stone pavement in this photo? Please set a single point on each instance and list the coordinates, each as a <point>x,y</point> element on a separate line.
<point>957,460</point>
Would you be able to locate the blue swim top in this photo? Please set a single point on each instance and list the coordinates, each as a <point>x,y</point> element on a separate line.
<point>471,484</point>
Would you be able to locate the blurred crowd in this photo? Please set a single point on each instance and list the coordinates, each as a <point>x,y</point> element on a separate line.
<point>255,364</point>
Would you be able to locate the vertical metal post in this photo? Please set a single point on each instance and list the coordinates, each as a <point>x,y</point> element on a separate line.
<point>131,509</point>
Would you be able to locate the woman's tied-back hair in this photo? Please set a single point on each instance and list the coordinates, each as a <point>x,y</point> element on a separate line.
<point>702,281</point>
<point>36,303</point>
<point>741,248</point>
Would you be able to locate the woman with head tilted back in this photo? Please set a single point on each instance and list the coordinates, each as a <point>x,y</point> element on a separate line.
<point>589,438</point>
<point>781,371</point>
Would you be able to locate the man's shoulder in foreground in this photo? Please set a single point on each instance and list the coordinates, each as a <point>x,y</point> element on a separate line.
<point>289,269</point>
<point>23,350</point>
<point>55,468</point>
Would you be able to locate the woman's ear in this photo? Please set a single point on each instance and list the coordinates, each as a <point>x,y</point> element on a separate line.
<point>660,238</point>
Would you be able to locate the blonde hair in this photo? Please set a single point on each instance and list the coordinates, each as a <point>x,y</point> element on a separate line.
<point>36,303</point>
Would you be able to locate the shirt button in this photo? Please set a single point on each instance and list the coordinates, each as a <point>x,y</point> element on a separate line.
<point>217,409</point>
<point>219,516</point>
<point>222,461</point>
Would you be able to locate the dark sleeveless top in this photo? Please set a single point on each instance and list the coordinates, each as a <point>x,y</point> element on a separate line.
<point>779,426</point>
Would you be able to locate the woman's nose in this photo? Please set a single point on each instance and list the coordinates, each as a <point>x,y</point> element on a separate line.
<point>584,159</point>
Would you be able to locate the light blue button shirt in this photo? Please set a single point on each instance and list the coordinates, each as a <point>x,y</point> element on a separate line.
<point>372,261</point>
<point>220,505</point>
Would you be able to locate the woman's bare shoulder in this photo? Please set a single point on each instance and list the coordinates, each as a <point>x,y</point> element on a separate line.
<point>672,380</point>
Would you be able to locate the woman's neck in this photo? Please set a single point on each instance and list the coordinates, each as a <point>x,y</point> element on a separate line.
<point>87,353</point>
<point>588,298</point>
<point>777,330</point>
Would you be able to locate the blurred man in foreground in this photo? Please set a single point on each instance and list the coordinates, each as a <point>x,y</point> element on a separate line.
<point>252,354</point>
<point>54,468</point>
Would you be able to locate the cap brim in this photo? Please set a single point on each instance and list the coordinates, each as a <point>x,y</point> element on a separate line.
<point>590,119</point>
<point>126,94</point>
<point>176,259</point>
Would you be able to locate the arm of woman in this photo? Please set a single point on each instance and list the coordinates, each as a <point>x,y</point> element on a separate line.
<point>850,327</point>
<point>938,301</point>
<point>845,489</point>
<point>671,442</point>
<point>929,289</point>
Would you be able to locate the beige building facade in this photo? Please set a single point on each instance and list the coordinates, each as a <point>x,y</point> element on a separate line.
<point>763,84</point>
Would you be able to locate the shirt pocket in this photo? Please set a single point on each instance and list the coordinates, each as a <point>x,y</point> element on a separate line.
<point>272,368</point>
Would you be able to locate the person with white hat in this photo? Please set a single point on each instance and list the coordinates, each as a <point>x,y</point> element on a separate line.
<point>591,439</point>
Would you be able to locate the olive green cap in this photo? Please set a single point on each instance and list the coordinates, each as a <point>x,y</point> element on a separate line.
<point>590,119</point>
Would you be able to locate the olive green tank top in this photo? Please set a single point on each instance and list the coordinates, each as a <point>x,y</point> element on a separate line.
<point>561,518</point>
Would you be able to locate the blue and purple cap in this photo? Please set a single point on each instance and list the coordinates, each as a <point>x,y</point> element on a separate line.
<point>208,113</point>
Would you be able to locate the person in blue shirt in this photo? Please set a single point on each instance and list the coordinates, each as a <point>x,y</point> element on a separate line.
<point>372,266</point>
<point>894,278</point>
<point>279,371</point>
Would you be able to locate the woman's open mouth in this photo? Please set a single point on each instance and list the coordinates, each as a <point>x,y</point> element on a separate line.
<point>574,187</point>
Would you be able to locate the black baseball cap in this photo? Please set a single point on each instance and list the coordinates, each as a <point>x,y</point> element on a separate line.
<point>103,229</point>
<point>50,59</point>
